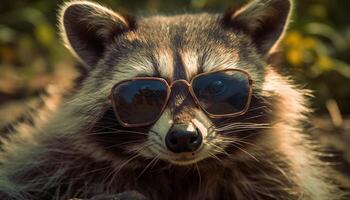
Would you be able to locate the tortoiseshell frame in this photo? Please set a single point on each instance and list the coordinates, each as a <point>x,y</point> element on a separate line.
<point>111,97</point>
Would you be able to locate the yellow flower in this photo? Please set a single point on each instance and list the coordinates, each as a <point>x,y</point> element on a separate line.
<point>294,56</point>
<point>293,39</point>
<point>309,43</point>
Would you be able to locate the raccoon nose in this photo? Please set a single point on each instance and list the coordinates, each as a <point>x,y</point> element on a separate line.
<point>180,140</point>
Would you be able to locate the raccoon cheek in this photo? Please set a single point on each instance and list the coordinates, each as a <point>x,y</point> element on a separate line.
<point>162,126</point>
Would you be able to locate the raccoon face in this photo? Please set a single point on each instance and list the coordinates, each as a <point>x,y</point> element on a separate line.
<point>177,58</point>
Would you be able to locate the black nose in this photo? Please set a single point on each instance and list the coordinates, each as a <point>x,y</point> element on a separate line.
<point>179,140</point>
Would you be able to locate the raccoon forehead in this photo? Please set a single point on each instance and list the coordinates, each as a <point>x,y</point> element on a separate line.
<point>156,62</point>
<point>173,64</point>
<point>175,50</point>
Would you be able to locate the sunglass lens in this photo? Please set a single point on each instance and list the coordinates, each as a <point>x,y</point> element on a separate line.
<point>222,93</point>
<point>139,101</point>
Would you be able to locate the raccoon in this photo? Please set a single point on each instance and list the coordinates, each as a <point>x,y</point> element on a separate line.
<point>183,106</point>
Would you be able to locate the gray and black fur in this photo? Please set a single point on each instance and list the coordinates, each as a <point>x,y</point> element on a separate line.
<point>78,149</point>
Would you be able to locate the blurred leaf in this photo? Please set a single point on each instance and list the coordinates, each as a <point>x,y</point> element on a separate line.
<point>33,16</point>
<point>318,10</point>
<point>7,55</point>
<point>198,3</point>
<point>343,68</point>
<point>6,34</point>
<point>328,32</point>
<point>45,34</point>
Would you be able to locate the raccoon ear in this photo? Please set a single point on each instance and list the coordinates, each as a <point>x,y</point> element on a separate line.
<point>264,20</point>
<point>87,28</point>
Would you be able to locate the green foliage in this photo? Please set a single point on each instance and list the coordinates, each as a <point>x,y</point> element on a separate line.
<point>316,47</point>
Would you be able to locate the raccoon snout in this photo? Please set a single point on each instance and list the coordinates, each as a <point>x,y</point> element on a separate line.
<point>180,139</point>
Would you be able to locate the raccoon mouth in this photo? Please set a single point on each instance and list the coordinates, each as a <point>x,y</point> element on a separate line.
<point>178,159</point>
<point>184,160</point>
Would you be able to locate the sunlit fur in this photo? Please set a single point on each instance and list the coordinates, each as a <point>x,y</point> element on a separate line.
<point>77,148</point>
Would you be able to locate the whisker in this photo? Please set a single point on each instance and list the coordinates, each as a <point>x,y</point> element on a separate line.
<point>237,141</point>
<point>199,176</point>
<point>93,171</point>
<point>246,152</point>
<point>228,120</point>
<point>152,131</point>
<point>114,130</point>
<point>147,166</point>
<point>241,125</point>
<point>125,143</point>
<point>258,108</point>
<point>115,172</point>
<point>253,117</point>
<point>215,157</point>
<point>133,156</point>
<point>230,131</point>
<point>220,148</point>
<point>155,163</point>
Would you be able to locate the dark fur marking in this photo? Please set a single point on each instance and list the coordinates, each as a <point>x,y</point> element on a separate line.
<point>177,33</point>
<point>106,133</point>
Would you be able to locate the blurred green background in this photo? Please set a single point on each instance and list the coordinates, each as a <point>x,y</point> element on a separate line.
<point>316,49</point>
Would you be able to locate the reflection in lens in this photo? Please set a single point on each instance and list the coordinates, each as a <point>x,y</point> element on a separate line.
<point>222,93</point>
<point>139,101</point>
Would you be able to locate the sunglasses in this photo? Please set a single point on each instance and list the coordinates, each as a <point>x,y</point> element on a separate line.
<point>140,101</point>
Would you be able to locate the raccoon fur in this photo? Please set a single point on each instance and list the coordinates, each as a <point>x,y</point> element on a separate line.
<point>78,150</point>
